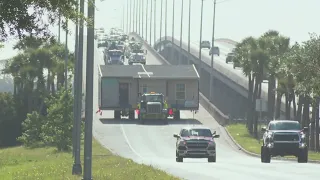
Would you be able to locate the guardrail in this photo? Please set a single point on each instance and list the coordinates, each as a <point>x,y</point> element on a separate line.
<point>221,118</point>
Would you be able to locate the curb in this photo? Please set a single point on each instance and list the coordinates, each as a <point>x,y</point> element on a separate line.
<point>258,156</point>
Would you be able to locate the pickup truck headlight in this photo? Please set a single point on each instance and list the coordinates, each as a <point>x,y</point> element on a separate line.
<point>182,143</point>
<point>303,138</point>
<point>269,138</point>
<point>164,110</point>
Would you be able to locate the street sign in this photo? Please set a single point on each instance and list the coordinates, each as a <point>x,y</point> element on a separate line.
<point>261,105</point>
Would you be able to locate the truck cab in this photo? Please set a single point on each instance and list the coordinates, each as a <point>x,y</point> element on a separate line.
<point>115,56</point>
<point>152,106</point>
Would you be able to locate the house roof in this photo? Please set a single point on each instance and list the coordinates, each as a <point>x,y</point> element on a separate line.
<point>150,71</point>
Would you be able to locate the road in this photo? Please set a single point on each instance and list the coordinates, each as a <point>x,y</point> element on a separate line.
<point>154,144</point>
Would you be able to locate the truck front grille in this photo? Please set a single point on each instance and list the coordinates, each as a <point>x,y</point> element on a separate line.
<point>154,108</point>
<point>197,145</point>
<point>286,137</point>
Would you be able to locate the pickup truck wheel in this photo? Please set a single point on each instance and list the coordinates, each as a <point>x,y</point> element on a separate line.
<point>212,159</point>
<point>176,115</point>
<point>303,156</point>
<point>117,114</point>
<point>265,155</point>
<point>179,159</point>
<point>131,115</point>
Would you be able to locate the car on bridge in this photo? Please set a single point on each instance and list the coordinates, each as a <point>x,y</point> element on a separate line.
<point>205,44</point>
<point>215,50</point>
<point>230,57</point>
<point>196,142</point>
<point>284,138</point>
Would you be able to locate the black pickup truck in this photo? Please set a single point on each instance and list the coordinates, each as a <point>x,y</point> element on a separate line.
<point>284,138</point>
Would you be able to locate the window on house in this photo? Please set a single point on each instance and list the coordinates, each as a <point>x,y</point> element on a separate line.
<point>144,88</point>
<point>180,91</point>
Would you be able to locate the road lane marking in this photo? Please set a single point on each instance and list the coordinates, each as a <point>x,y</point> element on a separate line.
<point>129,144</point>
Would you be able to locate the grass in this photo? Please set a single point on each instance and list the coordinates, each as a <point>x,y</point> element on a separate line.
<point>245,140</point>
<point>46,164</point>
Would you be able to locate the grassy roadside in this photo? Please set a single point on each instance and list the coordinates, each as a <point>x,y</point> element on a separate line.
<point>47,164</point>
<point>245,140</point>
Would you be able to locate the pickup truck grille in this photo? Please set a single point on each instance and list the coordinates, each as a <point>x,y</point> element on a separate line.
<point>197,145</point>
<point>154,108</point>
<point>286,137</point>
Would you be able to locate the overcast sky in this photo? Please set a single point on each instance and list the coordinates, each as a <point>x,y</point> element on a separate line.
<point>235,19</point>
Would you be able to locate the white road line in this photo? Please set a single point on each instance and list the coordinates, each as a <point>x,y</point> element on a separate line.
<point>145,70</point>
<point>127,140</point>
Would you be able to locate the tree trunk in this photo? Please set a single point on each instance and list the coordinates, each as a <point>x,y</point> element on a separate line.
<point>299,110</point>
<point>306,114</point>
<point>294,106</point>
<point>271,96</point>
<point>287,105</point>
<point>255,96</point>
<point>278,104</point>
<point>312,127</point>
<point>250,104</point>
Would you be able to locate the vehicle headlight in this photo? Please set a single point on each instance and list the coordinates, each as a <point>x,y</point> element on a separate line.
<point>182,143</point>
<point>211,143</point>
<point>143,57</point>
<point>303,138</point>
<point>164,110</point>
<point>269,138</point>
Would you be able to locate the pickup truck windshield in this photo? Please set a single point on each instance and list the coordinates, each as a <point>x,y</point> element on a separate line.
<point>196,132</point>
<point>284,126</point>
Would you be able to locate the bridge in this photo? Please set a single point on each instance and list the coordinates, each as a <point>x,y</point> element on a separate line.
<point>230,86</point>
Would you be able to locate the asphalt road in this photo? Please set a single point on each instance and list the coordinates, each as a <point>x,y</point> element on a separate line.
<point>154,144</point>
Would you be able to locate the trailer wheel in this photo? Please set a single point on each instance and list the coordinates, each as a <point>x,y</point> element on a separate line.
<point>176,115</point>
<point>117,114</point>
<point>131,115</point>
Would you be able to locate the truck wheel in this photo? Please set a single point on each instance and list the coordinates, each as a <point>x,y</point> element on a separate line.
<point>212,159</point>
<point>303,156</point>
<point>176,115</point>
<point>265,155</point>
<point>117,114</point>
<point>131,115</point>
<point>178,158</point>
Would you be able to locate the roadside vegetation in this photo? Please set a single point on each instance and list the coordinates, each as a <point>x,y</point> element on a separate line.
<point>292,71</point>
<point>49,164</point>
<point>37,118</point>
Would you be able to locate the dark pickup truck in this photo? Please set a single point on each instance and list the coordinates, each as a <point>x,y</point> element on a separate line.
<point>284,138</point>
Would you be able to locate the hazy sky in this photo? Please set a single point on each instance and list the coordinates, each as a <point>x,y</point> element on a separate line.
<point>235,19</point>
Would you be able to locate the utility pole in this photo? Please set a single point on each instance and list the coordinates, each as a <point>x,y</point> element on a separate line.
<point>166,20</point>
<point>75,81</point>
<point>123,15</point>
<point>142,18</point>
<point>181,25</point>
<point>130,21</point>
<point>155,22</point>
<point>76,168</point>
<point>59,30</point>
<point>189,32</point>
<point>89,95</point>
<point>212,44</point>
<point>173,21</point>
<point>161,19</point>
<point>200,55</point>
<point>139,16</point>
<point>150,34</point>
<point>66,58</point>
<point>147,20</point>
<point>134,16</point>
<point>127,21</point>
